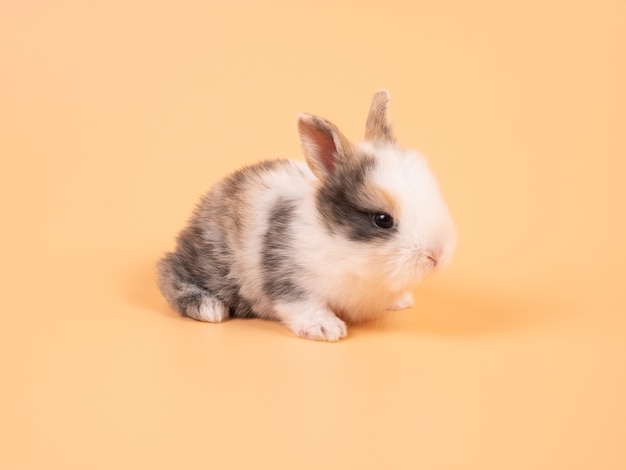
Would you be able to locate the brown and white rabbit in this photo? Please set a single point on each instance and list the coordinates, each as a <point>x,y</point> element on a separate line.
<point>340,240</point>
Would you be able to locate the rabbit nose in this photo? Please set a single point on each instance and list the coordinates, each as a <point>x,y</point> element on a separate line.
<point>432,255</point>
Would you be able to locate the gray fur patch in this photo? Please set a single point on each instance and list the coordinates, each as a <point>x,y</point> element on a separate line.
<point>341,208</point>
<point>279,265</point>
<point>203,264</point>
<point>198,269</point>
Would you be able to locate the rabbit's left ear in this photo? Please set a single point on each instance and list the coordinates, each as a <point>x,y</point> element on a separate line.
<point>323,144</point>
<point>378,125</point>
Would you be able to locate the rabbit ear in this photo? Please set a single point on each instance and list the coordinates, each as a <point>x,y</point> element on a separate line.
<point>378,125</point>
<point>322,143</point>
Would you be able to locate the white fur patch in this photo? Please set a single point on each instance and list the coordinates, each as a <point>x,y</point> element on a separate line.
<point>212,310</point>
<point>425,227</point>
<point>311,321</point>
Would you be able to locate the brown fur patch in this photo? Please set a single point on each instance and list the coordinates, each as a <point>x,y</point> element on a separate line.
<point>390,202</point>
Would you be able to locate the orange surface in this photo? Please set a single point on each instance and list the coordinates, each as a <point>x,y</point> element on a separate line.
<point>115,116</point>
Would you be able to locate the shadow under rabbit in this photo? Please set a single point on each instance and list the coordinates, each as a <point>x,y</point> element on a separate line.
<point>463,313</point>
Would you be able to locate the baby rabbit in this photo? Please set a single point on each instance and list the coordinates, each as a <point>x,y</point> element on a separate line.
<point>340,240</point>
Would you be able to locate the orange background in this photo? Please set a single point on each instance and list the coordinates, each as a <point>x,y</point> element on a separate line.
<point>115,116</point>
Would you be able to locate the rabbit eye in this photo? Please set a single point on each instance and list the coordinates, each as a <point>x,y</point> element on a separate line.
<point>383,221</point>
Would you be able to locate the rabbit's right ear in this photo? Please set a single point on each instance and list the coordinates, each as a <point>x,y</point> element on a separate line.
<point>378,126</point>
<point>322,143</point>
